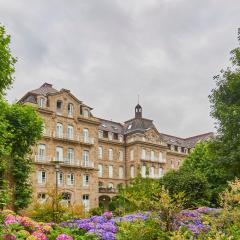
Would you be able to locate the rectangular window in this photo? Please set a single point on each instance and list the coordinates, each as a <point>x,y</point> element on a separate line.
<point>86,202</point>
<point>60,178</point>
<point>143,171</point>
<point>59,130</point>
<point>152,172</point>
<point>143,155</point>
<point>86,180</point>
<point>42,103</point>
<point>100,152</point>
<point>41,177</point>
<point>70,132</point>
<point>152,155</point>
<point>70,179</point>
<point>70,156</point>
<point>120,138</point>
<point>41,152</point>
<point>131,154</point>
<point>59,154</point>
<point>85,135</point>
<point>121,155</point>
<point>100,170</point>
<point>110,154</point>
<point>121,172</point>
<point>70,110</point>
<point>86,162</point>
<point>110,171</point>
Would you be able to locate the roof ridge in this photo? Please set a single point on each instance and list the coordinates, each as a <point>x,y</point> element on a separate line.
<point>200,135</point>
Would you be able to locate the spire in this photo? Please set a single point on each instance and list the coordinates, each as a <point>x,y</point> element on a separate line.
<point>138,110</point>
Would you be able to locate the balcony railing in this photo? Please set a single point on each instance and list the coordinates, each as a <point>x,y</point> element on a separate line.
<point>107,190</point>
<point>70,162</point>
<point>77,138</point>
<point>155,159</point>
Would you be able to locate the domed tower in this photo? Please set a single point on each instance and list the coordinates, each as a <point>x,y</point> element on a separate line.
<point>138,111</point>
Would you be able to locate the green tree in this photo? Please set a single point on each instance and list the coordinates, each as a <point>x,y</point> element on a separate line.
<point>20,128</point>
<point>7,62</point>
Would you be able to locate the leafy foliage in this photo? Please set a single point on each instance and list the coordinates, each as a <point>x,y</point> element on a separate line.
<point>7,62</point>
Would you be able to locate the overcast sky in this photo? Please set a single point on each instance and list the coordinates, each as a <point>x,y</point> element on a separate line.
<point>109,51</point>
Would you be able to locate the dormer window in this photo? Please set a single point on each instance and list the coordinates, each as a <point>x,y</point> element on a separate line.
<point>130,126</point>
<point>86,113</point>
<point>110,136</point>
<point>42,102</point>
<point>59,107</point>
<point>70,110</point>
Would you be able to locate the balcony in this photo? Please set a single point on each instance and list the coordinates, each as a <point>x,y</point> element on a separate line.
<point>107,190</point>
<point>146,140</point>
<point>76,163</point>
<point>42,159</point>
<point>76,138</point>
<point>155,159</point>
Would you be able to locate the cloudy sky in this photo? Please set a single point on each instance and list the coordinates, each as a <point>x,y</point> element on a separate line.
<point>109,51</point>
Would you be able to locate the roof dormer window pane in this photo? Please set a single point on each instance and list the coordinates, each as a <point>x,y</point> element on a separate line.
<point>59,107</point>
<point>42,102</point>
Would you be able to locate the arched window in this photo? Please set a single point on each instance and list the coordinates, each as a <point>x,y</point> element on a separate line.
<point>100,184</point>
<point>66,196</point>
<point>132,172</point>
<point>110,185</point>
<point>70,110</point>
<point>86,135</point>
<point>59,130</point>
<point>70,132</point>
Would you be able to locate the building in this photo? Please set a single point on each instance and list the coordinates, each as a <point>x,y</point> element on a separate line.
<point>89,158</point>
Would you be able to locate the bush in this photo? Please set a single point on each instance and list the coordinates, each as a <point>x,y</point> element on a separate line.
<point>193,185</point>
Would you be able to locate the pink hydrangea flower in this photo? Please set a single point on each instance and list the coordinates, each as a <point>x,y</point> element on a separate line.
<point>108,215</point>
<point>10,219</point>
<point>39,235</point>
<point>64,237</point>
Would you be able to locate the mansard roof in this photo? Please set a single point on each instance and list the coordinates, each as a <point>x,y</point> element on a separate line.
<point>44,90</point>
<point>111,126</point>
<point>186,142</point>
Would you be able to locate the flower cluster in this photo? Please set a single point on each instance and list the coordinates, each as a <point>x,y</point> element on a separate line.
<point>103,226</point>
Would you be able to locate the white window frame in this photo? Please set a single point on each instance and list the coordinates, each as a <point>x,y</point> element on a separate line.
<point>86,161</point>
<point>110,154</point>
<point>42,102</point>
<point>59,130</point>
<point>86,202</point>
<point>100,170</point>
<point>152,155</point>
<point>121,172</point>
<point>86,135</point>
<point>121,155</point>
<point>42,177</point>
<point>60,178</point>
<point>132,171</point>
<point>143,171</point>
<point>110,171</point>
<point>70,110</point>
<point>152,172</point>
<point>41,152</point>
<point>86,180</point>
<point>70,179</point>
<point>100,152</point>
<point>70,155</point>
<point>59,154</point>
<point>143,154</point>
<point>70,132</point>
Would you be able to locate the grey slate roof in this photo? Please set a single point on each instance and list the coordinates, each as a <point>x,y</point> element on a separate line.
<point>45,89</point>
<point>110,126</point>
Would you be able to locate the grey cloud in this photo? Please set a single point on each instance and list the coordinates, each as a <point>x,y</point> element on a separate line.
<point>108,51</point>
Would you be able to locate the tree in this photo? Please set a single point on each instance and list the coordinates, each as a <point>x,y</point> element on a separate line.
<point>7,62</point>
<point>20,128</point>
<point>225,108</point>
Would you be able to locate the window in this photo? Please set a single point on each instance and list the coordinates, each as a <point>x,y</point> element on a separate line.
<point>172,163</point>
<point>129,127</point>
<point>121,138</point>
<point>100,184</point>
<point>85,135</point>
<point>160,157</point>
<point>42,102</point>
<point>70,179</point>
<point>131,154</point>
<point>160,172</point>
<point>59,130</point>
<point>41,197</point>
<point>110,154</point>
<point>143,172</point>
<point>100,152</point>
<point>178,162</point>
<point>41,152</point>
<point>143,154</point>
<point>86,180</point>
<point>120,155</point>
<point>110,185</point>
<point>110,136</point>
<point>86,158</point>
<point>100,134</point>
<point>59,107</point>
<point>152,155</point>
<point>60,178</point>
<point>41,177</point>
<point>152,172</point>
<point>70,132</point>
<point>121,172</point>
<point>86,202</point>
<point>110,171</point>
<point>132,172</point>
<point>70,156</point>
<point>70,110</point>
<point>115,136</point>
<point>105,134</point>
<point>59,154</point>
<point>85,113</point>
<point>66,197</point>
<point>100,170</point>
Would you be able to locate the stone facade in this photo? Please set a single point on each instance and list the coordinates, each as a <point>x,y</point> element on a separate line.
<point>89,158</point>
